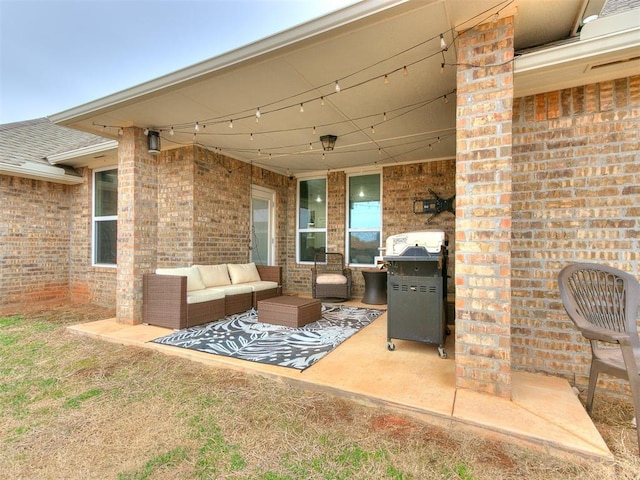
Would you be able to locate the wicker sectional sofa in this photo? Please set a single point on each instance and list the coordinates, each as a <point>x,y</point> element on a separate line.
<point>187,296</point>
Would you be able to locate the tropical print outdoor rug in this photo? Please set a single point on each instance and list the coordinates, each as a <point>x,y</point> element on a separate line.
<point>242,336</point>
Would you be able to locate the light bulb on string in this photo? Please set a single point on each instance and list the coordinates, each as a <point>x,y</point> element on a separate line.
<point>441,68</point>
<point>337,86</point>
<point>196,127</point>
<point>230,123</point>
<point>405,71</point>
<point>313,130</point>
<point>384,116</point>
<point>257,113</point>
<point>171,132</point>
<point>310,146</point>
<point>301,108</point>
<point>373,130</point>
<point>443,43</point>
<point>322,101</point>
<point>386,79</point>
<point>146,131</point>
<point>446,100</point>
<point>251,137</point>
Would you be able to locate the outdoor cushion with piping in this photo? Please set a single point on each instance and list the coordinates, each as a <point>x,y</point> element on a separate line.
<point>214,275</point>
<point>194,282</point>
<point>243,273</point>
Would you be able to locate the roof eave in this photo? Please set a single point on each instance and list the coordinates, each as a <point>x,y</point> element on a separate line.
<point>586,61</point>
<point>41,172</point>
<point>65,157</point>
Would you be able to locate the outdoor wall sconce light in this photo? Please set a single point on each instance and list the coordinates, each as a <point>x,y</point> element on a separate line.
<point>328,142</point>
<point>153,141</point>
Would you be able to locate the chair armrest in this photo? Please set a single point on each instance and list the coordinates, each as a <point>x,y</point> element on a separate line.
<point>347,273</point>
<point>270,273</point>
<point>604,335</point>
<point>164,300</point>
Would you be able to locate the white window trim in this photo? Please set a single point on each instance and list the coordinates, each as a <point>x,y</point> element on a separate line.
<point>310,230</point>
<point>348,230</point>
<point>95,219</point>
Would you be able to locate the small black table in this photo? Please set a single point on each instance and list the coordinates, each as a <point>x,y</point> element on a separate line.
<point>375,286</point>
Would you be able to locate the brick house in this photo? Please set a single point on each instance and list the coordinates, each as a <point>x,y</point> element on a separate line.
<point>541,149</point>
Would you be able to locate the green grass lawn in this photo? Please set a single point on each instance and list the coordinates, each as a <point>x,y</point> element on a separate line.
<point>77,408</point>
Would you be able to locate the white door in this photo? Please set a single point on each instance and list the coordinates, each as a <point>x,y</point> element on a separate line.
<point>262,225</point>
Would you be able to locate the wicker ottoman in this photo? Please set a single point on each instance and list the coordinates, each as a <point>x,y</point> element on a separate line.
<point>289,311</point>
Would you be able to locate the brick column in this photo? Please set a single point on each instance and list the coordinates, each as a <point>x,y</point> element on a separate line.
<point>137,222</point>
<point>483,208</point>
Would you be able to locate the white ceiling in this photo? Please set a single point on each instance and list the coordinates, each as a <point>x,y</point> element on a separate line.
<point>357,46</point>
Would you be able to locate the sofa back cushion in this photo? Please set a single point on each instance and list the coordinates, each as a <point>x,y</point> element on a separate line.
<point>243,272</point>
<point>214,275</point>
<point>194,282</point>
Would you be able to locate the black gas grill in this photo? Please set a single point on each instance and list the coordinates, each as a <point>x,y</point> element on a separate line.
<point>416,288</point>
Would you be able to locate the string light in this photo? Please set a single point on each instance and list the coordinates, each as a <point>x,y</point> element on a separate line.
<point>446,100</point>
<point>405,71</point>
<point>337,87</point>
<point>443,44</point>
<point>322,101</point>
<point>313,131</point>
<point>146,131</point>
<point>230,123</point>
<point>301,108</point>
<point>257,113</point>
<point>441,68</point>
<point>171,132</point>
<point>196,127</point>
<point>386,79</point>
<point>310,146</point>
<point>384,116</point>
<point>251,137</point>
<point>373,130</point>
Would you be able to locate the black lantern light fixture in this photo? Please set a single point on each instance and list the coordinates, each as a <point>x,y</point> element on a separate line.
<point>153,141</point>
<point>328,142</point>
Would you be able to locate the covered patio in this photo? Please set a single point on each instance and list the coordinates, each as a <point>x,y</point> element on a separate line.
<point>449,95</point>
<point>544,412</point>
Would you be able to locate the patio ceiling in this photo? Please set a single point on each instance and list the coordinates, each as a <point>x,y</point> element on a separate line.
<point>408,116</point>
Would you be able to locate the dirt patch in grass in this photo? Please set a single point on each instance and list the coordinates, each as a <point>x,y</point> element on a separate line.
<point>77,408</point>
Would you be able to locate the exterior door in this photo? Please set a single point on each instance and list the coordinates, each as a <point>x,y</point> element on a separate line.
<point>262,225</point>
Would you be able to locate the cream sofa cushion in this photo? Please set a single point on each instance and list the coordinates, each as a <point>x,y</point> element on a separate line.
<point>331,279</point>
<point>199,296</point>
<point>194,282</point>
<point>243,273</point>
<point>262,285</point>
<point>214,275</point>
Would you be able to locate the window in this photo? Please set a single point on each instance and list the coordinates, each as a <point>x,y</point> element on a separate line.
<point>364,219</point>
<point>105,216</point>
<point>312,218</point>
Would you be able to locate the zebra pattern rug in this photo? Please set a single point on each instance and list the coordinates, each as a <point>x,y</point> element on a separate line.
<point>242,336</point>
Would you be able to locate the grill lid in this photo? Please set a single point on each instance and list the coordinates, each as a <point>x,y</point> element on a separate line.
<point>427,241</point>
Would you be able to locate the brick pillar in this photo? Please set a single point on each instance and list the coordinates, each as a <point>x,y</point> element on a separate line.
<point>336,214</point>
<point>137,222</point>
<point>483,208</point>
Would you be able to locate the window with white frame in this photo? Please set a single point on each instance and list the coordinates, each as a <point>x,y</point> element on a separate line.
<point>312,218</point>
<point>364,219</point>
<point>105,217</point>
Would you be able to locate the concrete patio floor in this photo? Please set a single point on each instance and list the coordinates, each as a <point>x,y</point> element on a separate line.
<point>544,414</point>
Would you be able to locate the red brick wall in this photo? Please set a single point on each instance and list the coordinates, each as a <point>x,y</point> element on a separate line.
<point>204,208</point>
<point>34,240</point>
<point>576,197</point>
